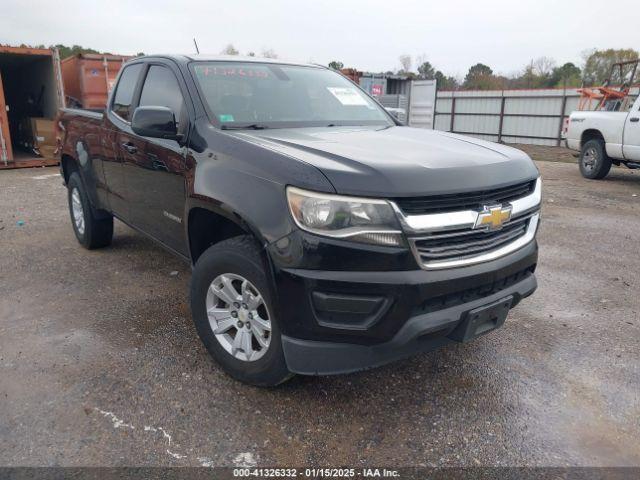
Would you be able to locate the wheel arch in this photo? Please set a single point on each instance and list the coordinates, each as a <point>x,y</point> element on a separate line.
<point>209,224</point>
<point>68,164</point>
<point>591,134</point>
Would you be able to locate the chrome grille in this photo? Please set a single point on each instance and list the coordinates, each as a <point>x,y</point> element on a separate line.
<point>463,201</point>
<point>460,244</point>
<point>449,239</point>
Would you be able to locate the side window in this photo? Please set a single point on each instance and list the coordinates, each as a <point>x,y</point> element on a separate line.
<point>161,89</point>
<point>124,91</point>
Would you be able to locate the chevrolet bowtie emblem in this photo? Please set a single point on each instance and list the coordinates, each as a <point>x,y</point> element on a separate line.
<point>492,217</point>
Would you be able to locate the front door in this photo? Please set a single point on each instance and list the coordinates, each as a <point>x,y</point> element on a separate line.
<point>154,168</point>
<point>631,138</point>
<point>119,114</point>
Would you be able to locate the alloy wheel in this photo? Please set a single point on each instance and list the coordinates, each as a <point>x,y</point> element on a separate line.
<point>590,159</point>
<point>77,210</point>
<point>239,317</point>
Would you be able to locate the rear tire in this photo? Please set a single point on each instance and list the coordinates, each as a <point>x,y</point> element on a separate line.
<point>236,262</point>
<point>91,231</point>
<point>594,161</point>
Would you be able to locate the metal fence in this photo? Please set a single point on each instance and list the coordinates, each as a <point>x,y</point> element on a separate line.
<point>509,116</point>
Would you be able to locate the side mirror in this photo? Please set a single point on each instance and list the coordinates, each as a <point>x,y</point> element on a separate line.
<point>155,122</point>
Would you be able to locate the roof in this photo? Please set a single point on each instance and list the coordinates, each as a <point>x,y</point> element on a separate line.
<point>230,58</point>
<point>25,50</point>
<point>391,76</point>
<point>99,56</point>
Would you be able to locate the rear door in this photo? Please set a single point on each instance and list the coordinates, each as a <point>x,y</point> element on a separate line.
<point>154,167</point>
<point>631,138</point>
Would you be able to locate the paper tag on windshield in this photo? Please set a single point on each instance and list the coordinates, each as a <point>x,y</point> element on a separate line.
<point>347,96</point>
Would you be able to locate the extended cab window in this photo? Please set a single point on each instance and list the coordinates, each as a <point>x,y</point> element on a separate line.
<point>161,89</point>
<point>124,91</point>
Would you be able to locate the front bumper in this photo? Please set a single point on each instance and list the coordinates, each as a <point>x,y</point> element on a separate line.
<point>344,321</point>
<point>419,334</point>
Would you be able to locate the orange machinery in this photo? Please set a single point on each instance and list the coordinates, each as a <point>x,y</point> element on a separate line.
<point>608,97</point>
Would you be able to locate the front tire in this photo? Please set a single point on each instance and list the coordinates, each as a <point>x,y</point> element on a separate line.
<point>91,231</point>
<point>594,161</point>
<point>233,312</point>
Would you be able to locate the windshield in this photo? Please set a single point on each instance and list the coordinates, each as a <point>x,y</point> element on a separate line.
<point>261,95</point>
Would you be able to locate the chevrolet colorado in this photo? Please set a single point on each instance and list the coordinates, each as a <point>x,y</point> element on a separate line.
<point>324,236</point>
<point>603,138</point>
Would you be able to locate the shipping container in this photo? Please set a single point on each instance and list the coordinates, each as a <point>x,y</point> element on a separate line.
<point>385,84</point>
<point>352,74</point>
<point>397,105</point>
<point>31,92</point>
<point>374,84</point>
<point>88,78</point>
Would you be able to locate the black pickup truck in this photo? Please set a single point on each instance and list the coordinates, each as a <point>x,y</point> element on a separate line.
<point>324,236</point>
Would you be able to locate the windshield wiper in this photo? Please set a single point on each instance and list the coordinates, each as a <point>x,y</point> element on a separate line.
<point>250,126</point>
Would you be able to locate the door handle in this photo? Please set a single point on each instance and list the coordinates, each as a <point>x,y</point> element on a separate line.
<point>130,147</point>
<point>157,164</point>
<point>634,119</point>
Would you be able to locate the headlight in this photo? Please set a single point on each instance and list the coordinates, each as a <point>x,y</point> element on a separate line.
<point>365,220</point>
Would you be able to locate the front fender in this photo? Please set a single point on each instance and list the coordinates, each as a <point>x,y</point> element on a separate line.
<point>246,182</point>
<point>256,204</point>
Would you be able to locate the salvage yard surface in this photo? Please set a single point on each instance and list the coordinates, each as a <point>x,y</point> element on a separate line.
<point>100,363</point>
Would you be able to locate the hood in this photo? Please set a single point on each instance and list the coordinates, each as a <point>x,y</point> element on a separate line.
<point>400,161</point>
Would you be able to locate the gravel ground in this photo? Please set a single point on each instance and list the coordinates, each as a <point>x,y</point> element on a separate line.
<point>548,154</point>
<point>100,363</point>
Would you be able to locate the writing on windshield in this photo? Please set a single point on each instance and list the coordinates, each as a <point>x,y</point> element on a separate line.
<point>277,95</point>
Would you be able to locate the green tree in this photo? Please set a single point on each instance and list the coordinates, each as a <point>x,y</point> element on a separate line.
<point>445,82</point>
<point>568,75</point>
<point>597,65</point>
<point>481,77</point>
<point>66,51</point>
<point>531,77</point>
<point>336,65</point>
<point>426,71</point>
<point>543,73</point>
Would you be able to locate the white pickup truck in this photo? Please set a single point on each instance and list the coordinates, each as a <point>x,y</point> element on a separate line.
<point>603,138</point>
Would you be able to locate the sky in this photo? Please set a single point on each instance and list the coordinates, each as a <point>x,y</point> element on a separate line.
<point>368,35</point>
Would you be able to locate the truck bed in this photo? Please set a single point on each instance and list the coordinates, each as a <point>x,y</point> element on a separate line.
<point>96,114</point>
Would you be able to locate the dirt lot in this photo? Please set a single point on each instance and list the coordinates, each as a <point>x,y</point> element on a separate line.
<point>548,154</point>
<point>100,363</point>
